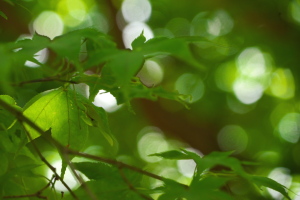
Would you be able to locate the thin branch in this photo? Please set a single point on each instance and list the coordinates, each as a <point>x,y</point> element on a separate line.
<point>79,178</point>
<point>119,165</point>
<point>38,194</point>
<point>47,79</point>
<point>19,115</point>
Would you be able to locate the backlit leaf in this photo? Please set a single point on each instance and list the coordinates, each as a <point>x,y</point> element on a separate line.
<point>59,110</point>
<point>270,183</point>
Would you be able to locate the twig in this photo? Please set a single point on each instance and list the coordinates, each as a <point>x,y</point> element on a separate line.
<point>48,79</point>
<point>38,194</point>
<point>79,178</point>
<point>19,115</point>
<point>120,165</point>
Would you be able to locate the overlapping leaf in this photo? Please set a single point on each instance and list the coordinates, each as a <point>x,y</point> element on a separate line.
<point>62,111</point>
<point>109,182</point>
<point>6,118</point>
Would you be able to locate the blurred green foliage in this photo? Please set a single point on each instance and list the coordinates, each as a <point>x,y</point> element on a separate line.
<point>235,64</point>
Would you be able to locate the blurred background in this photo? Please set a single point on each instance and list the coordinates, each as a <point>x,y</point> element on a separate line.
<point>246,100</point>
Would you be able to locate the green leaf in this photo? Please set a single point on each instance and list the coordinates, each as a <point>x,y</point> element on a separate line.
<point>3,15</point>
<point>110,182</point>
<point>124,66</point>
<point>177,47</point>
<point>139,41</point>
<point>173,154</point>
<point>270,183</point>
<point>114,189</point>
<point>217,158</point>
<point>61,110</point>
<point>6,118</point>
<point>99,119</point>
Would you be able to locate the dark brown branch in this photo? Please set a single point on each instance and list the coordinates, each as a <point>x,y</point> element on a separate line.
<point>48,79</point>
<point>19,115</point>
<point>119,165</point>
<point>79,178</point>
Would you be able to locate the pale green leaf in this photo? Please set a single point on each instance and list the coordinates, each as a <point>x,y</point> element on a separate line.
<point>59,110</point>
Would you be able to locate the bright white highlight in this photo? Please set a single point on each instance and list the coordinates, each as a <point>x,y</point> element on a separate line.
<point>289,127</point>
<point>40,56</point>
<point>136,10</point>
<point>282,176</point>
<point>151,74</point>
<point>251,63</point>
<point>107,101</point>
<point>68,178</point>
<point>48,23</point>
<point>133,30</point>
<point>150,143</point>
<point>187,167</point>
<point>214,26</point>
<point>248,91</point>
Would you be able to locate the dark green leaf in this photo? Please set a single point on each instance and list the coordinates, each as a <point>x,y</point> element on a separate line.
<point>6,118</point>
<point>177,47</point>
<point>139,41</point>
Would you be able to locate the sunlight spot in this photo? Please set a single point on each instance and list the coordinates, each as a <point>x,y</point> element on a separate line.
<point>150,143</point>
<point>151,73</point>
<point>282,176</point>
<point>251,63</point>
<point>190,84</point>
<point>107,101</point>
<point>214,26</point>
<point>211,24</point>
<point>69,178</point>
<point>73,12</point>
<point>289,127</point>
<point>136,10</point>
<point>48,23</point>
<point>248,91</point>
<point>295,10</point>
<point>41,56</point>
<point>187,167</point>
<point>282,84</point>
<point>133,30</point>
<point>233,138</point>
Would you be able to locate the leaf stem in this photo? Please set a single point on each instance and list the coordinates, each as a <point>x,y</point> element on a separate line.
<point>19,115</point>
